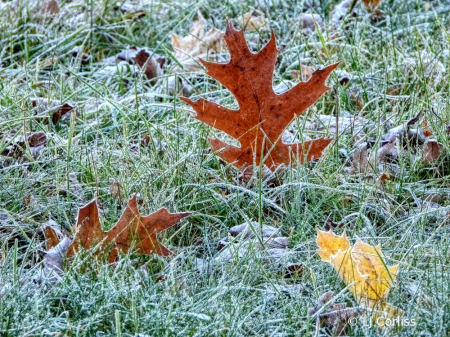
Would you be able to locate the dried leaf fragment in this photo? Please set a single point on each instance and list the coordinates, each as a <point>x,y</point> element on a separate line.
<point>151,63</point>
<point>197,43</point>
<point>35,141</point>
<point>336,315</point>
<point>131,228</point>
<point>263,115</point>
<point>254,20</point>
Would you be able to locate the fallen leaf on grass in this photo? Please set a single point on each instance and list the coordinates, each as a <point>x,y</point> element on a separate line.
<point>35,141</point>
<point>371,4</point>
<point>306,22</point>
<point>362,267</point>
<point>54,257</point>
<point>249,172</point>
<point>306,73</point>
<point>145,59</point>
<point>115,189</point>
<point>335,315</point>
<point>55,108</point>
<point>431,151</point>
<point>131,227</point>
<point>49,7</point>
<point>197,43</point>
<point>254,21</point>
<point>263,115</point>
<point>398,140</point>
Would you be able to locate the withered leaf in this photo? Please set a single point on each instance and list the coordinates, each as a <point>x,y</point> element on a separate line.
<point>431,151</point>
<point>263,115</point>
<point>254,21</point>
<point>36,142</point>
<point>54,257</point>
<point>336,315</point>
<point>150,62</point>
<point>371,4</point>
<point>44,105</point>
<point>131,228</point>
<point>198,43</point>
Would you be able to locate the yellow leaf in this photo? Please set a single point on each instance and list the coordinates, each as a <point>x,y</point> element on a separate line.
<point>379,278</point>
<point>362,267</point>
<point>330,244</point>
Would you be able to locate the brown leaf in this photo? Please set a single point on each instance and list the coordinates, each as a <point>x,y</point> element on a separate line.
<point>131,227</point>
<point>431,151</point>
<point>306,74</point>
<point>115,189</point>
<point>248,173</point>
<point>36,141</point>
<point>262,115</point>
<point>306,22</point>
<point>49,7</point>
<point>197,43</point>
<point>336,315</point>
<point>150,62</point>
<point>44,105</point>
<point>54,257</point>
<point>371,4</point>
<point>51,237</point>
<point>254,21</point>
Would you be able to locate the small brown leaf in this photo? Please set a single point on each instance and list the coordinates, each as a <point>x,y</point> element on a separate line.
<point>54,257</point>
<point>197,43</point>
<point>306,74</point>
<point>144,59</point>
<point>254,21</point>
<point>51,238</point>
<point>431,151</point>
<point>51,106</point>
<point>115,189</point>
<point>131,227</point>
<point>49,7</point>
<point>335,315</point>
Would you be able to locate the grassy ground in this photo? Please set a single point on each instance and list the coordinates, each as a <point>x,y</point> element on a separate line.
<point>246,296</point>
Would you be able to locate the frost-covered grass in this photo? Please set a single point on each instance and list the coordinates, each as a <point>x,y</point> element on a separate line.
<point>388,62</point>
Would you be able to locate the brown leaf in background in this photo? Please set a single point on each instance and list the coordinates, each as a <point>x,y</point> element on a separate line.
<point>49,6</point>
<point>197,43</point>
<point>131,227</point>
<point>51,238</point>
<point>431,151</point>
<point>36,142</point>
<point>335,315</point>
<point>371,4</point>
<point>306,73</point>
<point>150,62</point>
<point>262,115</point>
<point>254,21</point>
<point>44,105</point>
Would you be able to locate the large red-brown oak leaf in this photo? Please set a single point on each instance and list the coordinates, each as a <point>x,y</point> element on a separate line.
<point>263,115</point>
<point>131,231</point>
